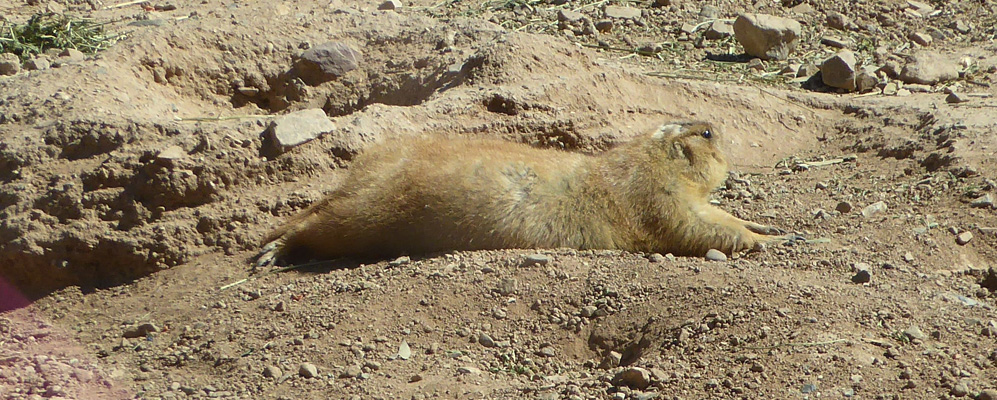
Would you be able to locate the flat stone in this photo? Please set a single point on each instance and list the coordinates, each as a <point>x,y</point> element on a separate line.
<point>404,351</point>
<point>874,208</point>
<point>715,255</point>
<point>73,55</point>
<point>633,377</point>
<point>535,259</point>
<point>839,70</point>
<point>766,36</point>
<point>921,38</point>
<point>468,371</point>
<point>961,26</point>
<point>836,42</point>
<point>569,16</point>
<point>622,12</point>
<point>299,127</point>
<point>327,61</point>
<point>930,68</point>
<point>171,153</point>
<point>985,201</point>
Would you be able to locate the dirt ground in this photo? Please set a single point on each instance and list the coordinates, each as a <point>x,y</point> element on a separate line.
<point>135,184</point>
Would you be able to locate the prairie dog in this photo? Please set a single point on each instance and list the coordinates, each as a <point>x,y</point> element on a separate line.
<point>417,196</point>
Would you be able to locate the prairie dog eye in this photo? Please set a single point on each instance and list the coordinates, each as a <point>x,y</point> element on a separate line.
<point>707,134</point>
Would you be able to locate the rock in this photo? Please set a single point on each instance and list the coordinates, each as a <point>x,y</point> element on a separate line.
<point>929,68</point>
<point>862,273</point>
<point>914,332</point>
<point>485,340</point>
<point>987,394</point>
<point>171,154</point>
<point>294,129</point>
<point>10,64</point>
<point>415,378</point>
<point>963,238</point>
<point>838,21</point>
<point>890,89</point>
<point>569,16</point>
<point>836,42</point>
<point>985,201</point>
<point>468,371</point>
<point>866,81</point>
<point>271,371</point>
<point>404,351</point>
<point>589,311</point>
<point>611,360</point>
<point>807,70</point>
<point>535,259</point>
<point>604,26</point>
<point>766,36</point>
<point>921,38</point>
<point>719,29</point>
<point>662,3</point>
<point>757,367</point>
<point>327,61</point>
<point>352,371</point>
<point>843,207</point>
<point>960,389</point>
<point>956,97</point>
<point>709,12</point>
<point>546,351</point>
<point>656,258</point>
<point>756,64</point>
<point>508,286</point>
<point>622,12</point>
<point>715,255</point>
<point>403,260</point>
<point>307,370</point>
<point>38,63</point>
<point>390,5</point>
<point>72,55</point>
<point>920,9</point>
<point>802,8</point>
<point>839,70</point>
<point>961,26</point>
<point>140,330</point>
<point>874,208</point>
<point>633,377</point>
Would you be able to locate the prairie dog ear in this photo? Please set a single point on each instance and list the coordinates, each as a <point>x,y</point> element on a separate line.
<point>666,131</point>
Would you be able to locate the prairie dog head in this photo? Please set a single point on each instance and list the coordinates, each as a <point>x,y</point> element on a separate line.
<point>693,145</point>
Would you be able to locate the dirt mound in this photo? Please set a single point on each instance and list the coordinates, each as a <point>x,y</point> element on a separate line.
<point>136,183</point>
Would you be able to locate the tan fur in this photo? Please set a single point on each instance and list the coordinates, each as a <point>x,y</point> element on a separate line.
<point>428,195</point>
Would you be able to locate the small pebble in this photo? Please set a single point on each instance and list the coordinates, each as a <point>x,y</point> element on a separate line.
<point>469,371</point>
<point>716,255</point>
<point>485,340</point>
<point>960,389</point>
<point>656,258</point>
<point>404,351</point>
<point>352,371</point>
<point>307,370</point>
<point>271,371</point>
<point>535,259</point>
<point>843,207</point>
<point>964,238</point>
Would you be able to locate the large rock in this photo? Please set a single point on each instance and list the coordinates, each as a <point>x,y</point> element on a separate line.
<point>767,37</point>
<point>327,61</point>
<point>929,68</point>
<point>295,129</point>
<point>839,70</point>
